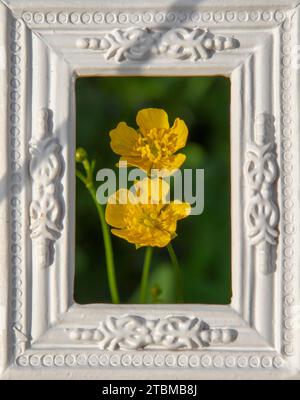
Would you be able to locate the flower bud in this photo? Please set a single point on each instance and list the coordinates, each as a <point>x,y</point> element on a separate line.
<point>80,155</point>
<point>156,291</point>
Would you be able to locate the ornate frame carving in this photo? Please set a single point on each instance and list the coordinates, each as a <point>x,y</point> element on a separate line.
<point>43,49</point>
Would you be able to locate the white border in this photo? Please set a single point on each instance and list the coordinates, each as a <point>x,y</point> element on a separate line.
<point>43,49</point>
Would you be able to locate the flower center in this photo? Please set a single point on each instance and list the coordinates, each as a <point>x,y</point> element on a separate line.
<point>156,144</point>
<point>141,216</point>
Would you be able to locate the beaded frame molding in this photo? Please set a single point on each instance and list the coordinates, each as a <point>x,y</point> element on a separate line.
<point>44,47</point>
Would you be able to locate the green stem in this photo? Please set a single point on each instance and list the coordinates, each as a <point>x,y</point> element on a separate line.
<point>145,276</point>
<point>179,291</point>
<point>106,239</point>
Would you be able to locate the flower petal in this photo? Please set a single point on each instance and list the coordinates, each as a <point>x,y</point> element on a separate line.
<point>170,164</point>
<point>123,139</point>
<point>152,191</point>
<point>149,237</point>
<point>171,213</point>
<point>117,208</point>
<point>138,162</point>
<point>178,210</point>
<point>150,118</point>
<point>180,129</point>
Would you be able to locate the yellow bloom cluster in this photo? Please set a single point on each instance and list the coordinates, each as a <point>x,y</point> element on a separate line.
<point>142,215</point>
<point>153,145</point>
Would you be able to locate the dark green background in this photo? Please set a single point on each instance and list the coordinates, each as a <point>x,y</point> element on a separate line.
<point>203,242</point>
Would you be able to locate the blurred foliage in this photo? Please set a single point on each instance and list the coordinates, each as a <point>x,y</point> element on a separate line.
<point>203,242</point>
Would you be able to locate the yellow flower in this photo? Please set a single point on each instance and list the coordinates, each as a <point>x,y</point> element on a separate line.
<point>142,214</point>
<point>153,145</point>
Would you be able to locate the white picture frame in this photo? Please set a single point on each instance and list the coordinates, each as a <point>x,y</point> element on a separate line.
<point>44,47</point>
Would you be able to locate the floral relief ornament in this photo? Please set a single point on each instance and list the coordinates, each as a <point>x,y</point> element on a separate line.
<point>261,169</point>
<point>141,43</point>
<point>45,208</point>
<point>132,332</point>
